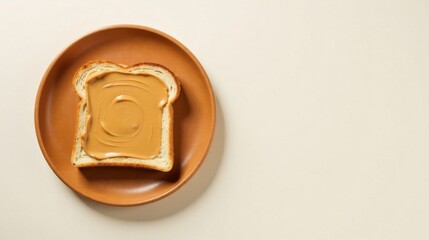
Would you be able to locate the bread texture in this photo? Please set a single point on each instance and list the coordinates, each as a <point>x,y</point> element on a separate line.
<point>164,160</point>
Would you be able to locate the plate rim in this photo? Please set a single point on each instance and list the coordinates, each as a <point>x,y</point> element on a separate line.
<point>205,78</point>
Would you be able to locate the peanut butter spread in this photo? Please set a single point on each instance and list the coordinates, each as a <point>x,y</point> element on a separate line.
<point>125,112</point>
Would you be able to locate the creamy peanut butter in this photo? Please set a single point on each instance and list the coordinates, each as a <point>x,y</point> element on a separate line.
<point>125,113</point>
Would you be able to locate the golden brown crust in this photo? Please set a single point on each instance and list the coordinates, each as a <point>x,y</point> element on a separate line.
<point>170,136</point>
<point>117,164</point>
<point>169,105</point>
<point>76,131</point>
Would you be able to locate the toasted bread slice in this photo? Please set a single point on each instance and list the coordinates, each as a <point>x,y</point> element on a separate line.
<point>163,161</point>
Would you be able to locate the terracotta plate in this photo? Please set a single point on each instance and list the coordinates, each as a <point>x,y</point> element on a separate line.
<point>56,112</point>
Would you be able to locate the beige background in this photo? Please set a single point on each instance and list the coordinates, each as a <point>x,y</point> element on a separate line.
<point>322,132</point>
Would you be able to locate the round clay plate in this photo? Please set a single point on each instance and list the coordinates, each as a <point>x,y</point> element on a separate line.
<point>56,112</point>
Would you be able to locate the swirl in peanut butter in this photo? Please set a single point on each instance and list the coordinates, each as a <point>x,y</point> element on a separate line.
<point>125,115</point>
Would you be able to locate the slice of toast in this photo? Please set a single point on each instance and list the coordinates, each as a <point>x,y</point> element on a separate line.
<point>163,159</point>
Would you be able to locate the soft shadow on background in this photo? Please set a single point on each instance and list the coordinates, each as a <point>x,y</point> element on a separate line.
<point>184,196</point>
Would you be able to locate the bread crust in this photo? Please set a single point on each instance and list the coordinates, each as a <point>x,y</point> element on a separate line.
<point>169,105</point>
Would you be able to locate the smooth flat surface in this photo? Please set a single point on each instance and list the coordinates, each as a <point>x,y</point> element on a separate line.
<point>194,114</point>
<point>322,126</point>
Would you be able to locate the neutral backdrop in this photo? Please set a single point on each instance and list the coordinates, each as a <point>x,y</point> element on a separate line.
<point>322,128</point>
